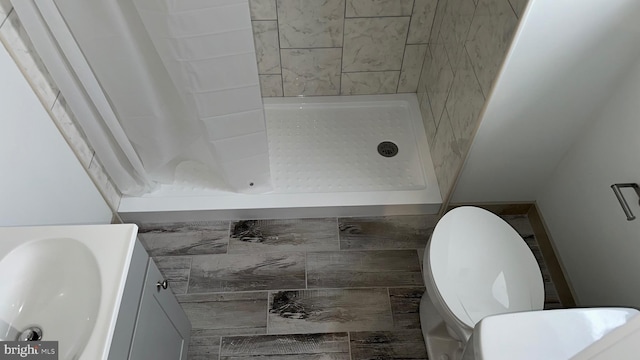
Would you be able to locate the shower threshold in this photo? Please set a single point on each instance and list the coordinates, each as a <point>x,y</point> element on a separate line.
<point>330,156</point>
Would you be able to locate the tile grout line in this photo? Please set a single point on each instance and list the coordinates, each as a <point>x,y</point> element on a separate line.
<point>344,25</point>
<point>306,264</point>
<point>267,314</point>
<point>406,44</point>
<point>279,48</point>
<point>393,320</point>
<point>189,274</point>
<point>349,343</point>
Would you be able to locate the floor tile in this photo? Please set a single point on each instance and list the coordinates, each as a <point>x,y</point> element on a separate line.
<point>310,311</point>
<point>404,344</point>
<point>299,346</point>
<point>392,232</point>
<point>350,269</point>
<point>203,346</point>
<point>229,313</point>
<point>523,226</point>
<point>175,270</point>
<point>185,238</point>
<point>260,236</point>
<point>247,272</point>
<point>405,307</point>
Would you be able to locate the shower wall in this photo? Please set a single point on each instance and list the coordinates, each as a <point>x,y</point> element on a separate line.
<point>467,45</point>
<point>340,47</point>
<point>17,42</point>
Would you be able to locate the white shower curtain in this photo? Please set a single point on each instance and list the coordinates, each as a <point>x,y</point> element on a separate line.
<point>158,63</point>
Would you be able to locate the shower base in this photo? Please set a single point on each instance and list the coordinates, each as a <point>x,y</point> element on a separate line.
<point>330,156</point>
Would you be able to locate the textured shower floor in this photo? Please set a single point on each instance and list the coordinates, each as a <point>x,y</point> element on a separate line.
<point>324,154</point>
<point>335,149</point>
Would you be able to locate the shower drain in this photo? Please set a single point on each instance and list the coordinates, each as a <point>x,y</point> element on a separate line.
<point>387,149</point>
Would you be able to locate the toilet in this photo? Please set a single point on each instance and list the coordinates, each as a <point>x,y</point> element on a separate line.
<point>477,266</point>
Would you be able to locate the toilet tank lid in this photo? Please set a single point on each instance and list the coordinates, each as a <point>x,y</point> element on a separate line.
<point>548,334</point>
<point>481,266</point>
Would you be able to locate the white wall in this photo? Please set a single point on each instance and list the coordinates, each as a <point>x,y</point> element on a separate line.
<point>598,247</point>
<point>565,60</point>
<point>41,180</point>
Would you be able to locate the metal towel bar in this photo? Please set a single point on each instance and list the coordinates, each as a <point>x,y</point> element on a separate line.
<point>623,202</point>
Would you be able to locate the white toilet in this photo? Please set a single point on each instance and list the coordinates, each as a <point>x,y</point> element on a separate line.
<point>475,266</point>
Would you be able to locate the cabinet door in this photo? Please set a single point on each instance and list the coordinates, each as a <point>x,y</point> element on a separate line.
<point>162,329</point>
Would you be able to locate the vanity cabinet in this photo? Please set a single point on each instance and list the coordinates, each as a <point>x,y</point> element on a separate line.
<point>151,324</point>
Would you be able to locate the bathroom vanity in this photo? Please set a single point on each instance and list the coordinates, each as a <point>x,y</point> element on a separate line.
<point>93,289</point>
<point>151,324</point>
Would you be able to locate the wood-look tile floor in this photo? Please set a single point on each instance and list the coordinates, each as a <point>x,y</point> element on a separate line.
<point>346,288</point>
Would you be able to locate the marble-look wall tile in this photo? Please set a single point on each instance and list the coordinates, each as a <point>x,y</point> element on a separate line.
<point>261,236</point>
<point>414,56</point>
<point>489,38</point>
<point>5,9</point>
<point>247,272</point>
<point>441,8</point>
<point>271,85</point>
<point>446,155</point>
<point>67,123</point>
<point>263,9</point>
<point>330,346</point>
<point>175,269</point>
<point>464,104</point>
<point>375,8</point>
<point>185,238</point>
<point>405,345</point>
<point>226,314</point>
<point>311,311</point>
<point>518,7</point>
<point>358,269</point>
<point>311,24</point>
<point>428,120</point>
<point>374,44</point>
<point>405,307</point>
<point>364,83</point>
<point>391,232</point>
<point>19,45</point>
<point>422,21</point>
<point>439,78</point>
<point>455,27</point>
<point>311,71</point>
<point>265,35</point>
<point>104,184</point>
<point>203,346</point>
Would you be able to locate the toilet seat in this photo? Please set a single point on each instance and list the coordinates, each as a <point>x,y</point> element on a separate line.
<point>477,265</point>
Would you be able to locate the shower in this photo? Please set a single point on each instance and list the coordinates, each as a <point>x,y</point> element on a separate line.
<point>169,95</point>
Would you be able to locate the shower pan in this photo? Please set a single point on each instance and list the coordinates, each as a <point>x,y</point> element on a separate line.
<point>324,159</point>
<point>167,93</point>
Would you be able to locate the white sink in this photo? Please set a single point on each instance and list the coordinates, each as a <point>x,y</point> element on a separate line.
<point>67,281</point>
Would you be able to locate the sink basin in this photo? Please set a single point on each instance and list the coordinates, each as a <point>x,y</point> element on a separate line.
<point>55,285</point>
<point>67,281</point>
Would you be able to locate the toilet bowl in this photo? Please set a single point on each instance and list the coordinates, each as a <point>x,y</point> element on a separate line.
<point>475,265</point>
